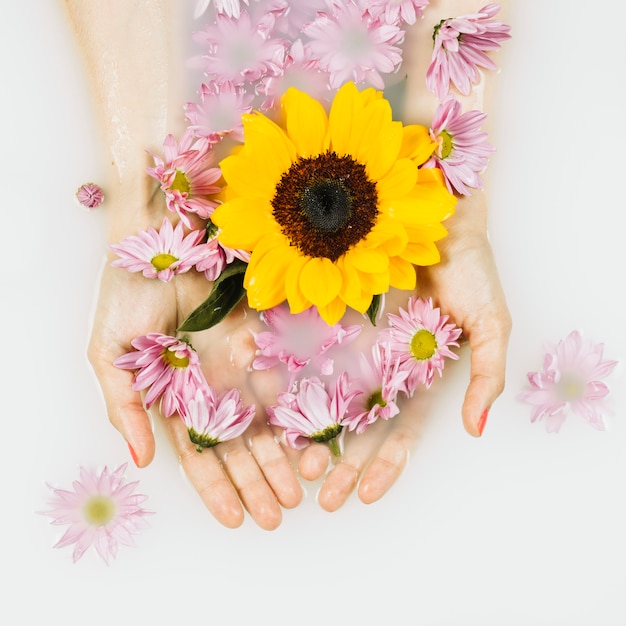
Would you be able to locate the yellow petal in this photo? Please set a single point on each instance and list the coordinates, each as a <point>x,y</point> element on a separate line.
<point>398,181</point>
<point>389,236</point>
<point>320,281</point>
<point>306,122</point>
<point>351,282</point>
<point>243,222</point>
<point>401,273</point>
<point>264,279</point>
<point>333,311</point>
<point>295,297</point>
<point>342,111</point>
<point>417,144</point>
<point>425,253</point>
<point>367,259</point>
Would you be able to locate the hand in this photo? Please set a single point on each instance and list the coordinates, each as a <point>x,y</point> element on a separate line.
<point>465,285</point>
<point>250,472</point>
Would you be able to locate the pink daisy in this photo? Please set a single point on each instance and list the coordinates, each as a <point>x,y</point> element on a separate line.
<point>232,8</point>
<point>238,51</point>
<point>102,511</point>
<point>161,254</point>
<point>379,380</point>
<point>212,418</point>
<point>350,44</point>
<point>397,12</point>
<point>219,111</point>
<point>213,264</point>
<point>90,195</point>
<point>187,175</point>
<point>460,47</point>
<point>421,338</point>
<point>462,151</point>
<point>166,367</point>
<point>299,340</point>
<point>313,413</point>
<point>571,378</point>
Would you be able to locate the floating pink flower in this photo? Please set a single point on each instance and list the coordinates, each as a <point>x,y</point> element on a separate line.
<point>232,8</point>
<point>102,511</point>
<point>462,151</point>
<point>166,367</point>
<point>571,379</point>
<point>238,51</point>
<point>350,44</point>
<point>313,413</point>
<point>90,195</point>
<point>421,338</point>
<point>219,111</point>
<point>299,340</point>
<point>187,175</point>
<point>379,379</point>
<point>211,418</point>
<point>460,47</point>
<point>397,12</point>
<point>161,254</point>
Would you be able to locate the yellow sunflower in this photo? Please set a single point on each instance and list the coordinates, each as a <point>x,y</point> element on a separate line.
<point>331,206</point>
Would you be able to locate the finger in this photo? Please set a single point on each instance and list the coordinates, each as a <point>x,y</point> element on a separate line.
<point>124,407</point>
<point>487,377</point>
<point>314,461</point>
<point>344,476</point>
<point>274,464</point>
<point>248,479</point>
<point>206,474</point>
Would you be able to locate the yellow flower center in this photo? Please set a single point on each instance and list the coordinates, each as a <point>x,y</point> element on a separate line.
<point>169,356</point>
<point>99,510</point>
<point>376,399</point>
<point>181,183</point>
<point>163,261</point>
<point>570,386</point>
<point>325,205</point>
<point>423,345</point>
<point>445,144</point>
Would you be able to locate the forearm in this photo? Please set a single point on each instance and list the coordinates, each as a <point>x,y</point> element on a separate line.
<point>133,60</point>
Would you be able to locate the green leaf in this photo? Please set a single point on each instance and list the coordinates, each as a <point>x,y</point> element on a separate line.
<point>374,308</point>
<point>226,294</point>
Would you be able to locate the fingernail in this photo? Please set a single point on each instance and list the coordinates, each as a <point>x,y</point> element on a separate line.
<point>482,420</point>
<point>133,454</point>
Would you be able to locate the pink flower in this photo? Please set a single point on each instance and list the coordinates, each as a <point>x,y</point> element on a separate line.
<point>350,44</point>
<point>232,8</point>
<point>90,195</point>
<point>421,338</point>
<point>379,380</point>
<point>187,175</point>
<point>462,149</point>
<point>161,254</point>
<point>238,51</point>
<point>460,47</point>
<point>165,366</point>
<point>398,11</point>
<point>571,378</point>
<point>299,340</point>
<point>212,418</point>
<point>102,512</point>
<point>213,264</point>
<point>313,413</point>
<point>219,111</point>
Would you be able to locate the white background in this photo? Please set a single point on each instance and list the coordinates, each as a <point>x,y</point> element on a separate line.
<point>518,528</point>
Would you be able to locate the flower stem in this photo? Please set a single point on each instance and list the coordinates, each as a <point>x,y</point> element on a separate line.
<point>333,444</point>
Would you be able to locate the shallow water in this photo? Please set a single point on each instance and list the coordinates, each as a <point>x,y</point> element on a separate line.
<point>517,528</point>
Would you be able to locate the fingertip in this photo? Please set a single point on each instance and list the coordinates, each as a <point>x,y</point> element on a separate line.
<point>314,461</point>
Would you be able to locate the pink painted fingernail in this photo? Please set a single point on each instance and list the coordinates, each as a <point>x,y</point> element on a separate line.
<point>482,420</point>
<point>133,454</point>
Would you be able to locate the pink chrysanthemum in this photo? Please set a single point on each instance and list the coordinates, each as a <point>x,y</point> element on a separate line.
<point>161,254</point>
<point>299,340</point>
<point>313,413</point>
<point>213,264</point>
<point>460,47</point>
<point>232,8</point>
<point>102,510</point>
<point>187,175</point>
<point>462,151</point>
<point>421,338</point>
<point>219,111</point>
<point>211,418</point>
<point>165,366</point>
<point>571,378</point>
<point>238,51</point>
<point>299,70</point>
<point>379,379</point>
<point>350,44</point>
<point>90,195</point>
<point>397,12</point>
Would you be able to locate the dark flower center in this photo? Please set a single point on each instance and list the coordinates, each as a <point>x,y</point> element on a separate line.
<point>325,205</point>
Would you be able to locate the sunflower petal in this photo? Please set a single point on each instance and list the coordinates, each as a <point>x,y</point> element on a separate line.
<point>242,222</point>
<point>320,281</point>
<point>306,122</point>
<point>333,311</point>
<point>401,273</point>
<point>417,144</point>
